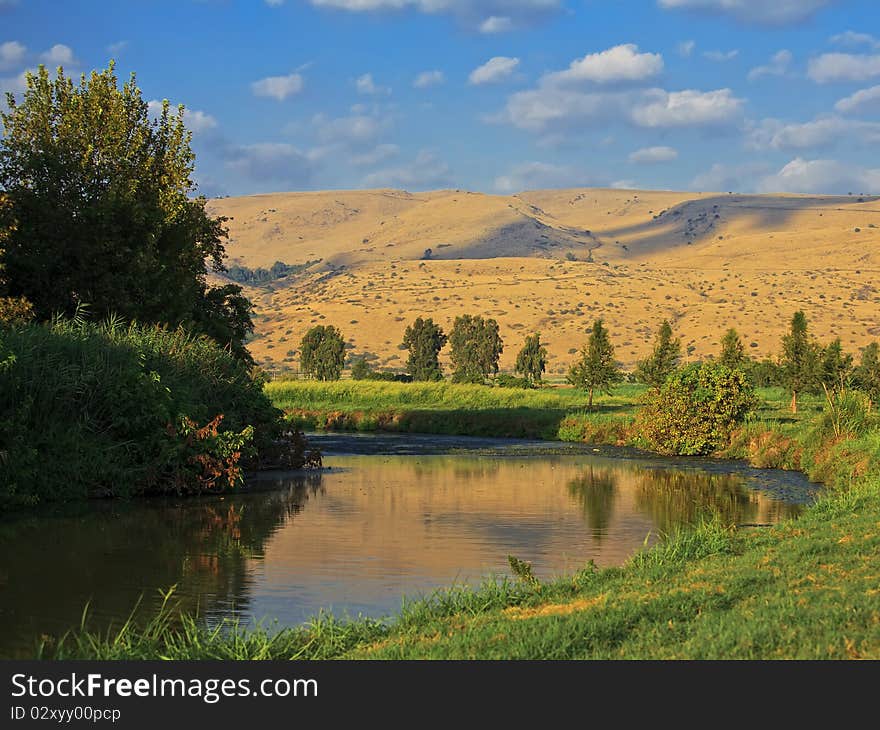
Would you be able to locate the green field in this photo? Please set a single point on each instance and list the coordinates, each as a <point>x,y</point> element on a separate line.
<point>807,588</point>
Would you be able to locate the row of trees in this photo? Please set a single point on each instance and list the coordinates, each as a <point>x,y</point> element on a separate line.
<point>804,365</point>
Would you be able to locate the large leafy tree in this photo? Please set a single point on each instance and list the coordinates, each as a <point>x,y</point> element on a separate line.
<point>322,353</point>
<point>475,348</point>
<point>663,360</point>
<point>837,367</point>
<point>801,363</point>
<point>596,369</point>
<point>424,340</point>
<point>99,209</point>
<point>531,362</point>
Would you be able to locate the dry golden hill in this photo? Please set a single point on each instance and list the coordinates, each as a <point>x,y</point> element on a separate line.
<point>552,261</point>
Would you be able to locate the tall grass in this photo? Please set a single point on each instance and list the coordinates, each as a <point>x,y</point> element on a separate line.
<point>100,409</point>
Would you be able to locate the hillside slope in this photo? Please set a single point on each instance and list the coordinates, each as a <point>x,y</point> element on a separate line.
<point>552,261</point>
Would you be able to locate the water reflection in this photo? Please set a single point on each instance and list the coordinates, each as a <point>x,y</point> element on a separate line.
<point>353,539</point>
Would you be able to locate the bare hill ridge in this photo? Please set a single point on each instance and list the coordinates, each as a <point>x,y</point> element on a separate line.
<point>551,261</point>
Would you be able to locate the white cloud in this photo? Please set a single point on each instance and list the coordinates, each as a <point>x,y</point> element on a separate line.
<point>721,56</point>
<point>270,161</point>
<point>653,155</point>
<point>487,16</point>
<point>59,55</point>
<point>540,176</point>
<point>627,184</point>
<point>117,48</point>
<point>278,87</point>
<point>496,24</point>
<point>852,38</point>
<point>366,85</point>
<point>831,67</point>
<point>821,176</point>
<point>195,121</point>
<point>494,70</point>
<point>426,171</point>
<point>764,12</point>
<point>274,3</point>
<point>354,130</point>
<point>686,48</point>
<point>427,79</point>
<point>378,154</point>
<point>12,53</point>
<point>773,134</point>
<point>778,66</point>
<point>687,108</point>
<point>547,109</point>
<point>13,85</point>
<point>862,100</point>
<point>618,64</point>
<point>730,178</point>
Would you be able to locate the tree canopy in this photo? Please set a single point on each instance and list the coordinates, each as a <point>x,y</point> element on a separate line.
<point>801,365</point>
<point>596,368</point>
<point>532,359</point>
<point>733,354</point>
<point>99,209</point>
<point>322,353</point>
<point>475,348</point>
<point>424,340</point>
<point>663,360</point>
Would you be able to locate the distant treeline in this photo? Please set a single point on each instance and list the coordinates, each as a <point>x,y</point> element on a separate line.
<point>278,270</point>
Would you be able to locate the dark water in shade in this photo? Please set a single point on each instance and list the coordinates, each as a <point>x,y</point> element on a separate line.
<point>391,516</point>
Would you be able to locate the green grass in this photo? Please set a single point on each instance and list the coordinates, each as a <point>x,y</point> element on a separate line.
<point>807,588</point>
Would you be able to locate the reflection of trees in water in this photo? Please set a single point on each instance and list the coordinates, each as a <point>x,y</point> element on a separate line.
<point>110,554</point>
<point>595,490</point>
<point>674,498</point>
<point>459,467</point>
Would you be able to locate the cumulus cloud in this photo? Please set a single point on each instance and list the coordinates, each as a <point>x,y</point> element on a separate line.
<point>487,16</point>
<point>730,178</point>
<point>117,48</point>
<point>687,108</point>
<point>195,121</point>
<point>851,38</point>
<point>821,176</point>
<point>278,87</point>
<point>496,24</point>
<point>763,12</point>
<point>653,155</point>
<point>541,175</point>
<point>59,55</point>
<point>621,63</point>
<point>831,67</point>
<point>721,56</point>
<point>773,134</point>
<point>12,53</point>
<point>270,162</point>
<point>862,100</point>
<point>686,48</point>
<point>551,109</point>
<point>494,70</point>
<point>424,172</point>
<point>354,130</point>
<point>427,79</point>
<point>380,153</point>
<point>778,66</point>
<point>365,85</point>
<point>274,3</point>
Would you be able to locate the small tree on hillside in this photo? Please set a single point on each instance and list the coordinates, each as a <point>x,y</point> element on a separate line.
<point>424,340</point>
<point>596,370</point>
<point>867,375</point>
<point>733,353</point>
<point>837,367</point>
<point>532,359</point>
<point>800,363</point>
<point>663,360</point>
<point>475,348</point>
<point>322,353</point>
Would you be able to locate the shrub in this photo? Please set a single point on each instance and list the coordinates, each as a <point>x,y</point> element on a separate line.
<point>696,409</point>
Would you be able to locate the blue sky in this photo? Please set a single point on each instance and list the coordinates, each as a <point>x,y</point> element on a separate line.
<point>491,95</point>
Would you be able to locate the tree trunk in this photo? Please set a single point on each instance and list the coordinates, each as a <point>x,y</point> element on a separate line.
<point>794,401</point>
<point>590,406</point>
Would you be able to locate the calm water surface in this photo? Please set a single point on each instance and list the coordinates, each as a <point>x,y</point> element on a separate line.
<point>392,516</point>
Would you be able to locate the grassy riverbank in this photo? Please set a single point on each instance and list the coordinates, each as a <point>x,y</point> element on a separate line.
<point>806,588</point>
